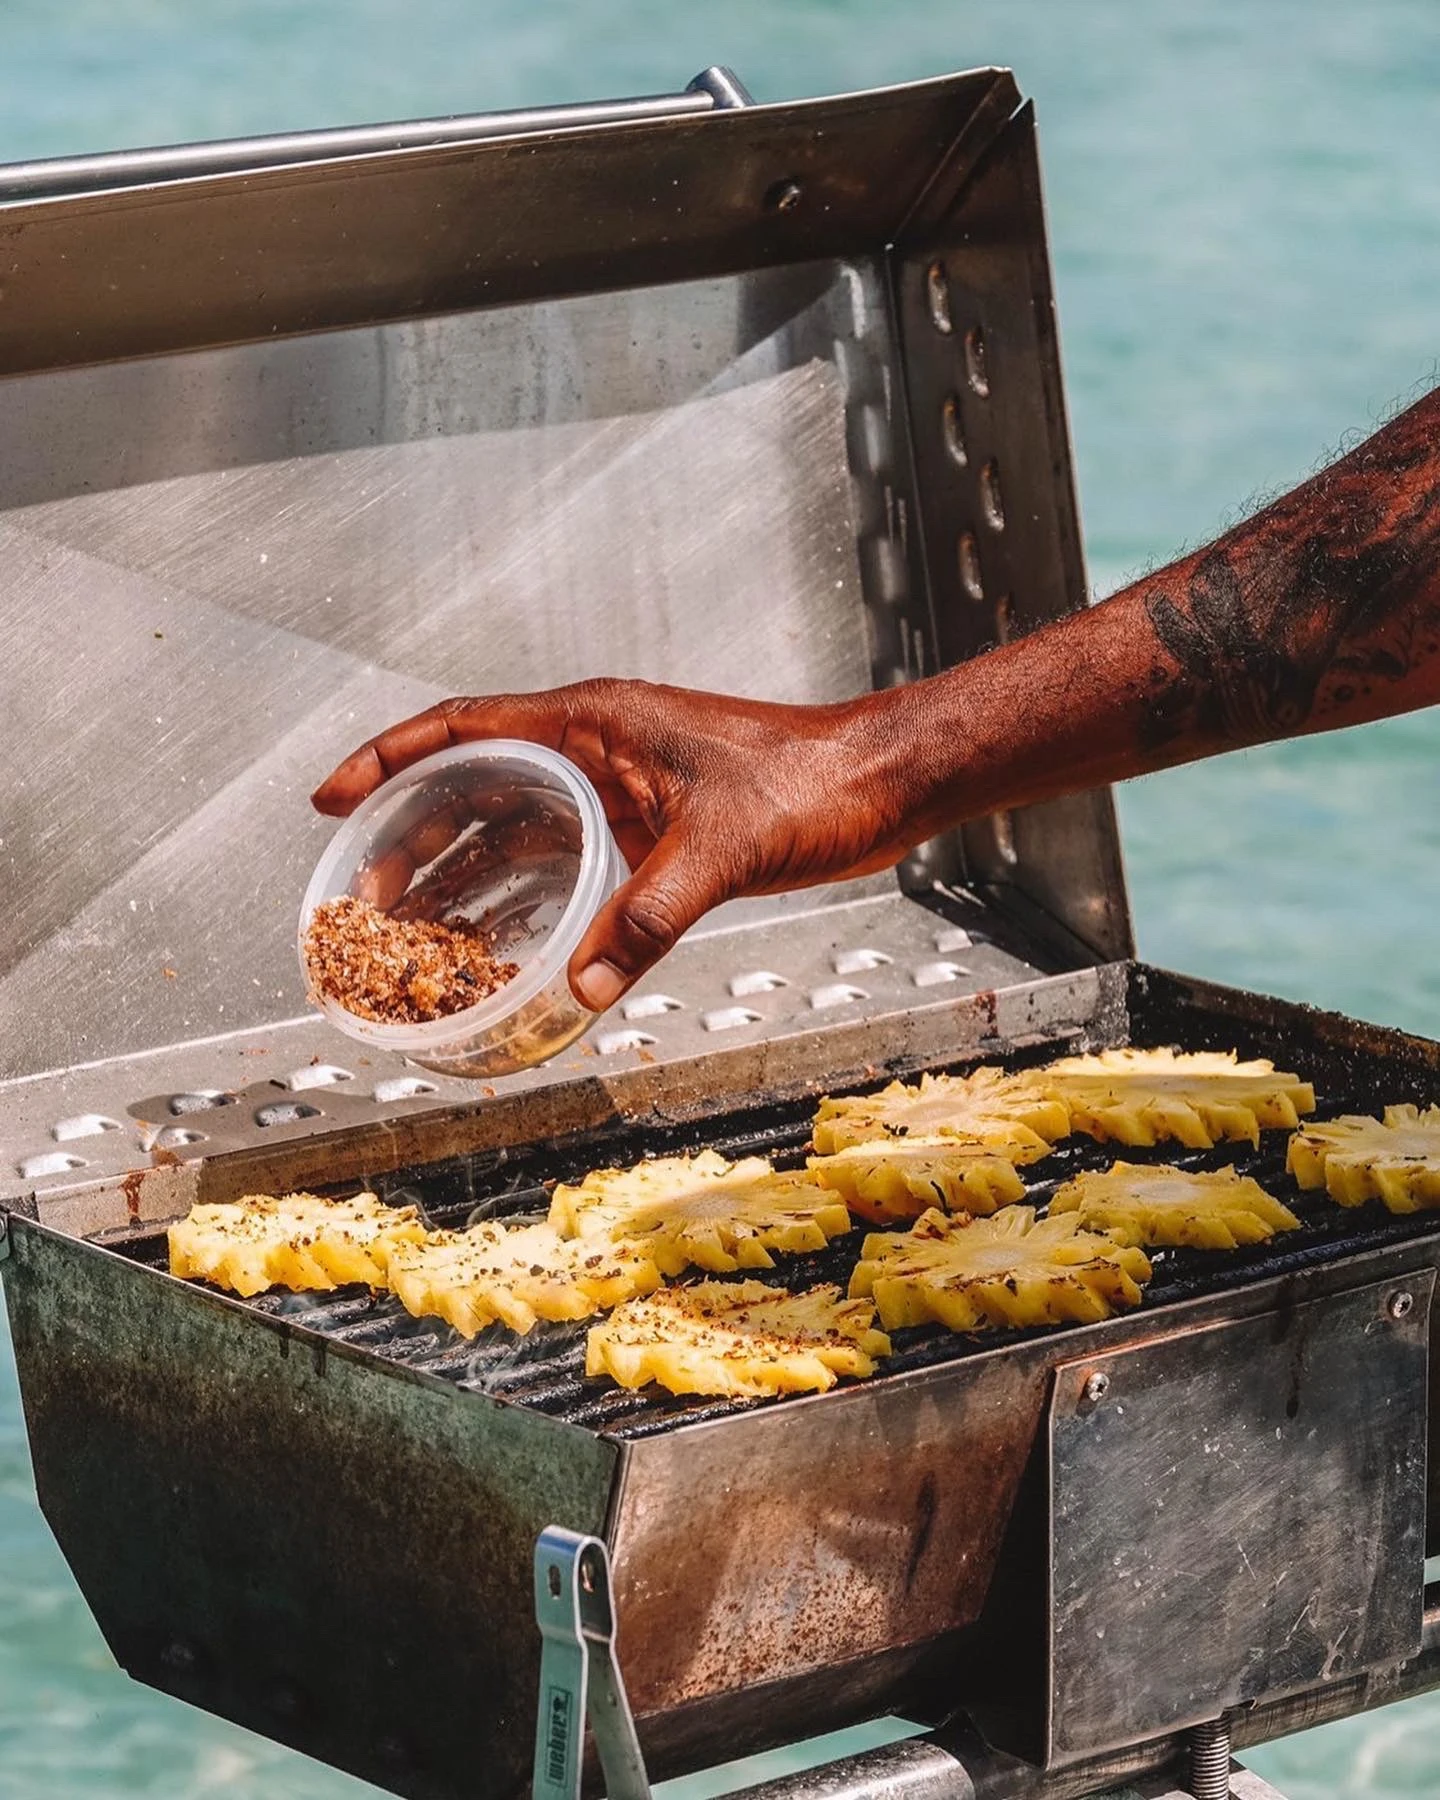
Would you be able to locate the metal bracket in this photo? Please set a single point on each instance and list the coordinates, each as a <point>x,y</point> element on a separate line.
<point>579,1672</point>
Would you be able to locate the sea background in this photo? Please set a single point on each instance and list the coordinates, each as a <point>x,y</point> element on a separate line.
<point>1245,221</point>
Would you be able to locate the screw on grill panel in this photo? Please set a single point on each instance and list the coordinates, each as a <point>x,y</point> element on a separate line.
<point>756,981</point>
<point>932,974</point>
<point>784,197</point>
<point>937,295</point>
<point>402,1087</point>
<point>1400,1305</point>
<point>1097,1387</point>
<point>954,432</point>
<point>202,1100</point>
<point>1210,1761</point>
<point>315,1075</point>
<point>990,502</point>
<point>611,1043</point>
<point>52,1162</point>
<point>855,962</point>
<point>726,1018</point>
<point>837,993</point>
<point>650,1006</point>
<point>976,372</point>
<point>968,558</point>
<point>83,1125</point>
<point>285,1112</point>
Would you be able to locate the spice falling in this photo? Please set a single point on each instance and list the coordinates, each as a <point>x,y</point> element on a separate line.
<point>398,971</point>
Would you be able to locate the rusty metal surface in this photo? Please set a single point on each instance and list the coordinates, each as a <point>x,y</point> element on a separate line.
<point>1236,1512</point>
<point>332,1552</point>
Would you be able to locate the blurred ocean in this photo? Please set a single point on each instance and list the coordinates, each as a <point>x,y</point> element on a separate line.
<point>1246,226</point>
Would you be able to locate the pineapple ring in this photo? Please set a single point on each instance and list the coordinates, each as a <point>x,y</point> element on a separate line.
<point>899,1178</point>
<point>514,1275</point>
<point>1355,1159</point>
<point>739,1338</point>
<point>297,1241</point>
<point>1198,1097</point>
<point>702,1211</point>
<point>1011,1269</point>
<point>987,1106</point>
<point>1160,1204</point>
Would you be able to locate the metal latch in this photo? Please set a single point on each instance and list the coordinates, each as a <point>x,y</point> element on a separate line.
<point>578,1670</point>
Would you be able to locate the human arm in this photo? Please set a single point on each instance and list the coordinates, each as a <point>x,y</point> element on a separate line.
<point>1320,611</point>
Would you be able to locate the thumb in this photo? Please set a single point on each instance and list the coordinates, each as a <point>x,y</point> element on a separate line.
<point>643,920</point>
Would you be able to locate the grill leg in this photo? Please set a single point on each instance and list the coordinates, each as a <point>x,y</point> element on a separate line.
<point>1210,1761</point>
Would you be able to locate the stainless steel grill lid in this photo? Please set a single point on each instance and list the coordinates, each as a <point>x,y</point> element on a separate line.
<point>764,400</point>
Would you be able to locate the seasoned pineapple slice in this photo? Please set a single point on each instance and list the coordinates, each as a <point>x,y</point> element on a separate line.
<point>743,1338</point>
<point>987,1106</point>
<point>515,1274</point>
<point>1355,1159</point>
<point>1011,1269</point>
<point>701,1211</point>
<point>1198,1097</point>
<point>1159,1204</point>
<point>297,1241</point>
<point>898,1178</point>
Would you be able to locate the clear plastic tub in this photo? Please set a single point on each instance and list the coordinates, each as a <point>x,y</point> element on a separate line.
<point>505,834</point>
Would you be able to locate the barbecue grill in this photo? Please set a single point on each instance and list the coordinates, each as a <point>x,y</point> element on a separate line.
<point>301,433</point>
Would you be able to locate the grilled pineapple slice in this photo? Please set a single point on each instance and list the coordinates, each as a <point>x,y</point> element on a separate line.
<point>515,1274</point>
<point>1198,1097</point>
<point>701,1211</point>
<point>743,1338</point>
<point>1011,1269</point>
<point>899,1178</point>
<point>1158,1204</point>
<point>1396,1160</point>
<point>297,1241</point>
<point>987,1106</point>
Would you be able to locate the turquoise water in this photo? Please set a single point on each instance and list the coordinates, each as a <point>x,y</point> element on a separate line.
<point>1246,228</point>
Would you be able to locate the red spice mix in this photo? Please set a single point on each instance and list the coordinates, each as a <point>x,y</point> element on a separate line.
<point>398,971</point>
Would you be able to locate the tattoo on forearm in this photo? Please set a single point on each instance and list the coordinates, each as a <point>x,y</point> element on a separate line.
<point>1330,592</point>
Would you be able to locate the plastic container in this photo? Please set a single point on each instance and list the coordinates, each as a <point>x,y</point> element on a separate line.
<point>503,833</point>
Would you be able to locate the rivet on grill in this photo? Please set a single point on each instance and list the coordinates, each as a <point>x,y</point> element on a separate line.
<point>855,962</point>
<point>315,1075</point>
<point>1097,1387</point>
<point>402,1087</point>
<point>954,432</point>
<point>83,1125</point>
<point>932,974</point>
<point>937,293</point>
<point>612,1043</point>
<point>756,981</point>
<point>285,1112</point>
<point>726,1018</point>
<point>650,1006</point>
<point>838,993</point>
<point>1401,1305</point>
<point>53,1162</point>
<point>784,196</point>
<point>976,372</point>
<point>990,502</point>
<point>202,1100</point>
<point>967,558</point>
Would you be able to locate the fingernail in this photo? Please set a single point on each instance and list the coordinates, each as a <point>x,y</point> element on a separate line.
<point>599,986</point>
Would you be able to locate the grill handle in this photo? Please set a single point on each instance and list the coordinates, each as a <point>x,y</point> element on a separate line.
<point>716,89</point>
<point>579,1673</point>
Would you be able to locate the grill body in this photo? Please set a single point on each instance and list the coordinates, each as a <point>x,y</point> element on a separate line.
<point>317,1521</point>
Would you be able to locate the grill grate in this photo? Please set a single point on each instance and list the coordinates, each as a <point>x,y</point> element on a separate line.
<point>545,1370</point>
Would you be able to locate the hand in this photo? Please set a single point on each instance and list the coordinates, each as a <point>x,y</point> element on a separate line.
<point>709,798</point>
